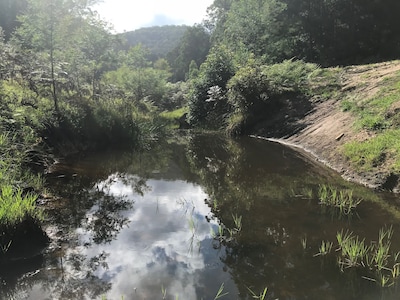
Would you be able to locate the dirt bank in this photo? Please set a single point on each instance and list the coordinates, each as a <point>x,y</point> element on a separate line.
<point>325,128</point>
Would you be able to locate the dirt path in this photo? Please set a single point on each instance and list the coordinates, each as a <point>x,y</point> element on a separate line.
<point>327,127</point>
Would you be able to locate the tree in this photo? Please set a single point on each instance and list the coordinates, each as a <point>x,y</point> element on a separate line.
<point>207,101</point>
<point>194,46</point>
<point>95,52</point>
<point>48,31</point>
<point>328,32</point>
<point>216,17</point>
<point>259,26</point>
<point>9,10</point>
<point>137,78</point>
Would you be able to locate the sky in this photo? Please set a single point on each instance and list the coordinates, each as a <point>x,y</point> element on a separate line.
<point>128,15</point>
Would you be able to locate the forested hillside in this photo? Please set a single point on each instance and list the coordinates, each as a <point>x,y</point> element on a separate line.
<point>160,40</point>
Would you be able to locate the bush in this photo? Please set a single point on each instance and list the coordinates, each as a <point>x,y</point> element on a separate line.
<point>255,90</point>
<point>207,98</point>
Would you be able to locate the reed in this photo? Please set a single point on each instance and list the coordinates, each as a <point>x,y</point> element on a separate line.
<point>220,292</point>
<point>343,200</point>
<point>238,223</point>
<point>304,242</point>
<point>354,252</point>
<point>260,296</point>
<point>375,259</point>
<point>381,249</point>
<point>325,248</point>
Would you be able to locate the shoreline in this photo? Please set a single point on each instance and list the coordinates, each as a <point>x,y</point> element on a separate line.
<point>313,156</point>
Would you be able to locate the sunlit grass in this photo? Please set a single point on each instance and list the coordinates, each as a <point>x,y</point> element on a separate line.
<point>325,248</point>
<point>375,260</point>
<point>373,152</point>
<point>342,199</point>
<point>16,207</point>
<point>380,115</point>
<point>171,116</point>
<point>261,296</point>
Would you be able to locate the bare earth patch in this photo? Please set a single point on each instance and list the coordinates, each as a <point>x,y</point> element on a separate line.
<point>326,128</point>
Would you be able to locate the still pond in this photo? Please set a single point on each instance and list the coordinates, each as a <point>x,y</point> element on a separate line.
<point>200,217</point>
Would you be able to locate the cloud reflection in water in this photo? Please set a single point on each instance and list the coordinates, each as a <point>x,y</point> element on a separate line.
<point>162,245</point>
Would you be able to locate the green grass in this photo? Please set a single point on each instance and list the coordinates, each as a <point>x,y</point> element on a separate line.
<point>325,82</point>
<point>353,250</point>
<point>375,151</point>
<point>171,116</point>
<point>375,261</point>
<point>15,207</point>
<point>325,248</point>
<point>378,114</point>
<point>342,200</point>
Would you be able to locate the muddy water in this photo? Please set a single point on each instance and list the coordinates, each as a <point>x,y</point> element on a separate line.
<point>144,226</point>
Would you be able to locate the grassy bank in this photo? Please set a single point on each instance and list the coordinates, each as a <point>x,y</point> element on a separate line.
<point>379,115</point>
<point>20,218</point>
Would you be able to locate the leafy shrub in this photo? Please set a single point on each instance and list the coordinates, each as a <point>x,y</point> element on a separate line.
<point>207,98</point>
<point>255,91</point>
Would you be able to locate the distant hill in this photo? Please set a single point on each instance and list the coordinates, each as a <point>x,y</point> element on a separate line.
<point>159,39</point>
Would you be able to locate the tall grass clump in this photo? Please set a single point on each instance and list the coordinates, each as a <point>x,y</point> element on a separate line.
<point>16,207</point>
<point>374,261</point>
<point>354,250</point>
<point>342,200</point>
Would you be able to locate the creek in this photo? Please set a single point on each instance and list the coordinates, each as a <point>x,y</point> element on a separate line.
<point>146,225</point>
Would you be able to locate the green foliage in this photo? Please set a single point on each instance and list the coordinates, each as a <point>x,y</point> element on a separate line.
<point>160,40</point>
<point>249,90</point>
<point>172,116</point>
<point>175,96</point>
<point>194,46</point>
<point>255,90</point>
<point>340,199</point>
<point>138,84</point>
<point>291,75</point>
<point>9,10</point>
<point>325,32</point>
<point>373,152</point>
<point>376,261</point>
<point>256,25</point>
<point>207,98</point>
<point>15,207</point>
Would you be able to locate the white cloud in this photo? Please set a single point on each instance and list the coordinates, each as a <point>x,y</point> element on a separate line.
<point>127,15</point>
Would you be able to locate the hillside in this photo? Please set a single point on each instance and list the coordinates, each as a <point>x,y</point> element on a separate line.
<point>159,39</point>
<point>332,128</point>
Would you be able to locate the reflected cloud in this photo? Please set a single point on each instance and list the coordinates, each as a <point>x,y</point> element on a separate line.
<point>161,246</point>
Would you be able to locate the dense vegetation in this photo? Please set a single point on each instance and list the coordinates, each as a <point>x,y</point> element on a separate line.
<point>160,40</point>
<point>68,84</point>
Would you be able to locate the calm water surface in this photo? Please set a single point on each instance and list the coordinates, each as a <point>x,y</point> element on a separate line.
<point>143,225</point>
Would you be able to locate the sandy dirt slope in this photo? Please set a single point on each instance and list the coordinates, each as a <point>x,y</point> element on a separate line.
<point>327,127</point>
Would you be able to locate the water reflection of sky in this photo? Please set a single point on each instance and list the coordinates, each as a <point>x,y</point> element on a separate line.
<point>166,245</point>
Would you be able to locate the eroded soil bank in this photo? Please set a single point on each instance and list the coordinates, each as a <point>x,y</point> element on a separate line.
<point>323,130</point>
